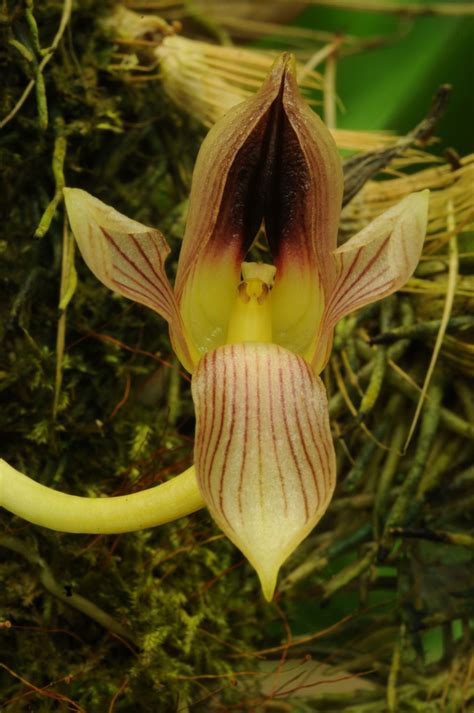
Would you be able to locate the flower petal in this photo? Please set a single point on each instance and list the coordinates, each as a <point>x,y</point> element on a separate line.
<point>225,213</point>
<point>264,456</point>
<point>374,263</point>
<point>270,160</point>
<point>127,257</point>
<point>305,270</point>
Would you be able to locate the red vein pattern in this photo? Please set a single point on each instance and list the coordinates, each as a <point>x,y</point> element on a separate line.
<point>370,276</point>
<point>263,451</point>
<point>373,264</point>
<point>127,257</point>
<point>131,260</point>
<point>137,271</point>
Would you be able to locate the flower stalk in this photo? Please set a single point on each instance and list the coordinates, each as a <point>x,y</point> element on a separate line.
<point>55,510</point>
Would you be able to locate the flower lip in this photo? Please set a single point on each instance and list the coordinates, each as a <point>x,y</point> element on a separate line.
<point>264,456</point>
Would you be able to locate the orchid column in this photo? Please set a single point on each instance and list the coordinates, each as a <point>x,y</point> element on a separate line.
<point>255,336</point>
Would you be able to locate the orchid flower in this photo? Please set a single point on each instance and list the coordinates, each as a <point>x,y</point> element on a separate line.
<point>255,336</point>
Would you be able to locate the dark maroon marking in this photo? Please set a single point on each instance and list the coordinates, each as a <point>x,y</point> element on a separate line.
<point>275,449</point>
<point>240,211</point>
<point>290,442</point>
<point>268,181</point>
<point>287,201</point>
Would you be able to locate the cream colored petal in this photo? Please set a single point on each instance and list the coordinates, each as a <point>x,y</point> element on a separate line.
<point>375,263</point>
<point>264,456</point>
<point>127,257</point>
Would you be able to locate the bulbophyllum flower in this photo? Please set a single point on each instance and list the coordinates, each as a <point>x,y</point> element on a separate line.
<point>256,336</point>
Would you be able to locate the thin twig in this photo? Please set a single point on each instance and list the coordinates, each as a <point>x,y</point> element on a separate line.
<point>44,691</point>
<point>66,291</point>
<point>57,590</point>
<point>65,16</point>
<point>359,169</point>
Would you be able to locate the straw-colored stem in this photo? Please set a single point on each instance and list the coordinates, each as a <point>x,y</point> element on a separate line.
<point>330,91</point>
<point>50,508</point>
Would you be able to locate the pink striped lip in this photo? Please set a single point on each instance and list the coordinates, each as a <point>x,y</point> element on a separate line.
<point>263,450</point>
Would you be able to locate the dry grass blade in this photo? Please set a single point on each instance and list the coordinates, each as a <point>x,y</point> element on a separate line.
<point>445,183</point>
<point>206,80</point>
<point>203,79</point>
<point>330,99</point>
<point>448,306</point>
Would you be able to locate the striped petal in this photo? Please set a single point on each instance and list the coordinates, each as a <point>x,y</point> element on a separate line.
<point>127,257</point>
<point>264,456</point>
<point>374,263</point>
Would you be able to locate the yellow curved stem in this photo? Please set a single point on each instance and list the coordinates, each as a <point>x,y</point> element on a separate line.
<point>50,508</point>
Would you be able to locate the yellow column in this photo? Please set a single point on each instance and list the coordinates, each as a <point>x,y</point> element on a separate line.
<point>251,316</point>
